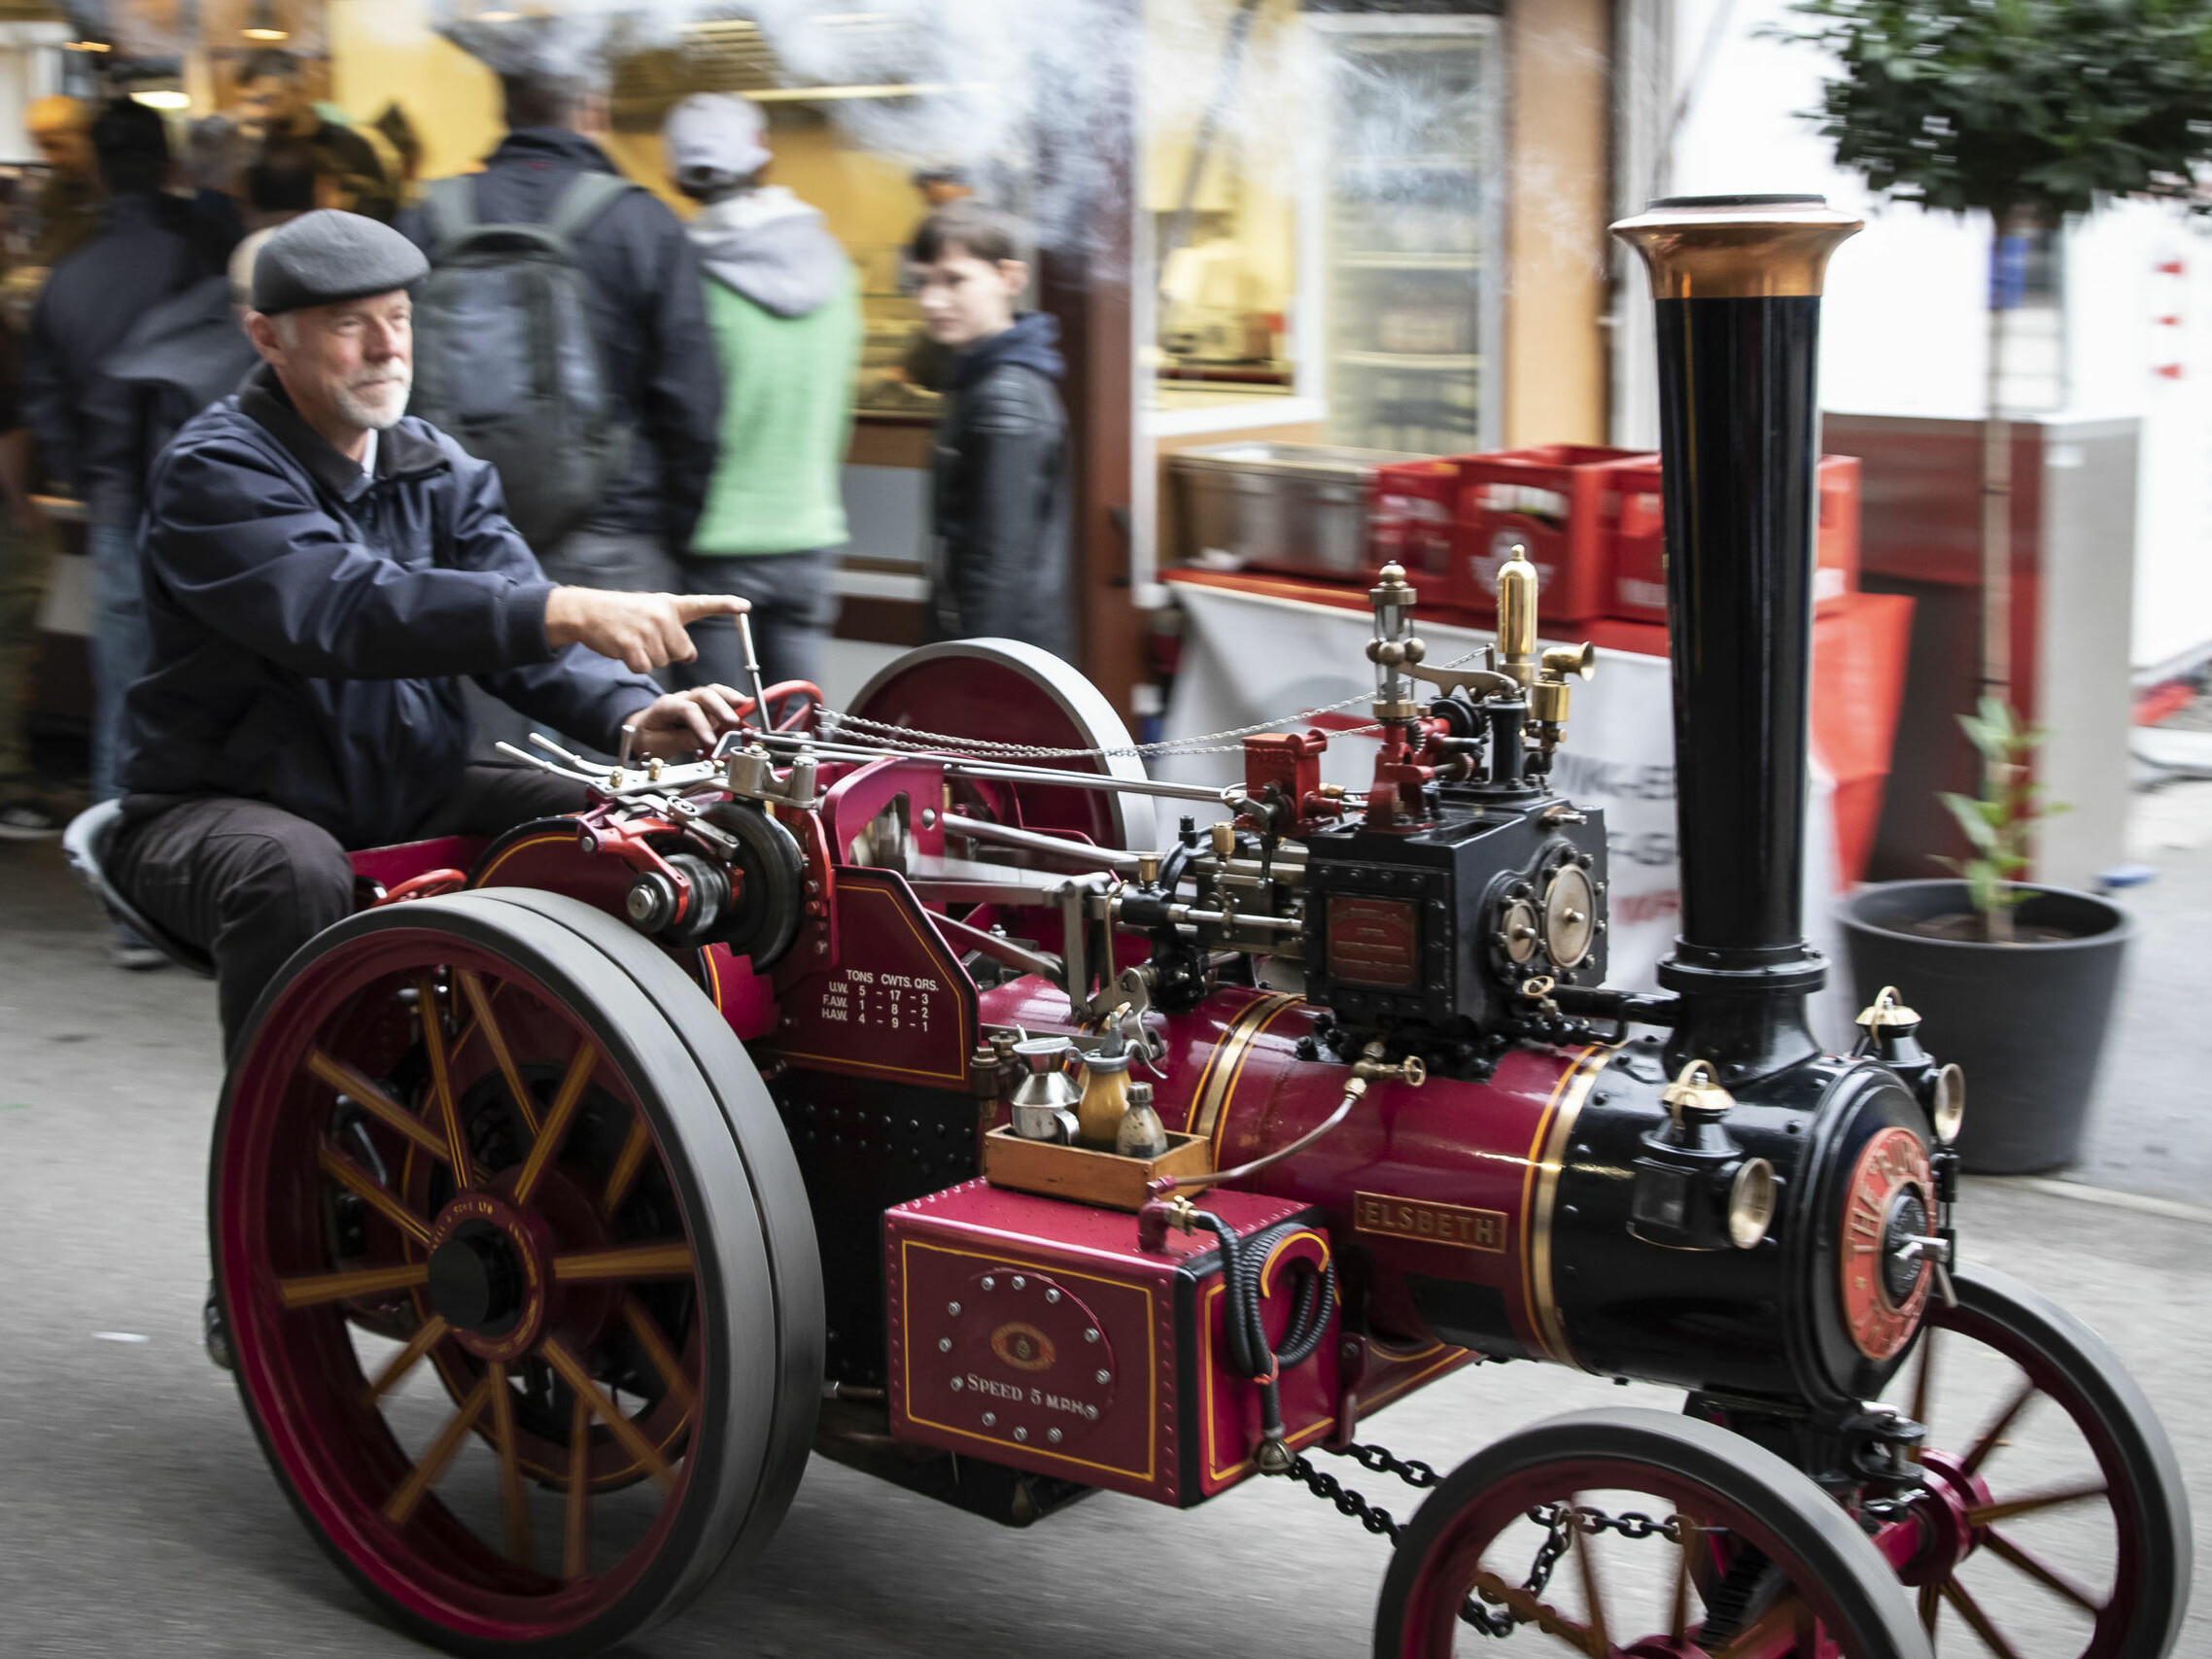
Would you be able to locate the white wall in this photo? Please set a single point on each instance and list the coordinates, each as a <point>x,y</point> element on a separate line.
<point>1903,330</point>
<point>30,67</point>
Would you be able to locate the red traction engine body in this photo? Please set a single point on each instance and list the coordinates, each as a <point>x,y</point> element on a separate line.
<point>1061,1155</point>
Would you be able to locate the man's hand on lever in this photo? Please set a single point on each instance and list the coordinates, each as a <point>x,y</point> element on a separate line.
<point>644,631</point>
<point>684,723</point>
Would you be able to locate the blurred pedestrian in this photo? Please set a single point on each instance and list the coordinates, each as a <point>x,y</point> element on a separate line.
<point>145,253</point>
<point>396,130</point>
<point>785,307</point>
<point>179,357</point>
<point>273,103</point>
<point>280,183</point>
<point>999,509</point>
<point>26,552</point>
<point>648,321</point>
<point>69,203</point>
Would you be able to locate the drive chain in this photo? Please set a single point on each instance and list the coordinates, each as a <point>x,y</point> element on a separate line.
<point>1560,1521</point>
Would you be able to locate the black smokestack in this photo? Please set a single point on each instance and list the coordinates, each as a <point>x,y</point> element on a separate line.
<point>1737,284</point>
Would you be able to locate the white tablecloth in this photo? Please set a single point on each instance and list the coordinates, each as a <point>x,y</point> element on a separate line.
<point>1249,657</point>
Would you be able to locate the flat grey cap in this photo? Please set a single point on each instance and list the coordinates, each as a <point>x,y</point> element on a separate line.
<point>324,257</point>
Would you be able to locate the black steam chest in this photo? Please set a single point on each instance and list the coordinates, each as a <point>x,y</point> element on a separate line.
<point>1460,928</point>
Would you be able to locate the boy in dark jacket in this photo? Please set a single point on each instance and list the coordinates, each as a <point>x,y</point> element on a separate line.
<point>999,509</point>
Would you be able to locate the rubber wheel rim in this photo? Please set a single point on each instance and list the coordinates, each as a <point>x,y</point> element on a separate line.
<point>1704,1471</point>
<point>754,1341</point>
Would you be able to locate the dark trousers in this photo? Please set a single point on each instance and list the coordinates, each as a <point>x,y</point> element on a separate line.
<point>794,606</point>
<point>250,883</point>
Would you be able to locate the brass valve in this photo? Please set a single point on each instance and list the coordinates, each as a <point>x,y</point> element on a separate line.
<point>1888,1012</point>
<point>1409,1071</point>
<point>1695,1095</point>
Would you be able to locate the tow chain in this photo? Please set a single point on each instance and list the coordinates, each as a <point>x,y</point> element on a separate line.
<point>1560,1521</point>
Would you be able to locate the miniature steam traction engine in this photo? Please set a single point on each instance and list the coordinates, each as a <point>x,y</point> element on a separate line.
<point>884,1086</point>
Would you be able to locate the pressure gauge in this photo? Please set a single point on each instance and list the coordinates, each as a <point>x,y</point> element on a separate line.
<point>1570,916</point>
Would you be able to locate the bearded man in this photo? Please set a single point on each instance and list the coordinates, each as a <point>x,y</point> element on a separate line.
<point>322,574</point>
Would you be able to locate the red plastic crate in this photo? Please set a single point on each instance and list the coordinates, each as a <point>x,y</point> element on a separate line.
<point>1411,520</point>
<point>1637,582</point>
<point>1550,500</point>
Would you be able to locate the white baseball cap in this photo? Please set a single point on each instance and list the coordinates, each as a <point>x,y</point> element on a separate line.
<point>712,133</point>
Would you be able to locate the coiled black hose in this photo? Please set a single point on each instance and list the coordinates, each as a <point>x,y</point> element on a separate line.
<point>1243,1261</point>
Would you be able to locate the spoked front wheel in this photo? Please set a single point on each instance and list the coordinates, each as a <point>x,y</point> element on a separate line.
<point>2054,1524</point>
<point>1633,1535</point>
<point>518,1269</point>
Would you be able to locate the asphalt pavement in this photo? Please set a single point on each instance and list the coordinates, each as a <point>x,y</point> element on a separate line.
<point>137,1518</point>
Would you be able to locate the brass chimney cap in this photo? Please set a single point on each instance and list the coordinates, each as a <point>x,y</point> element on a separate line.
<point>1772,247</point>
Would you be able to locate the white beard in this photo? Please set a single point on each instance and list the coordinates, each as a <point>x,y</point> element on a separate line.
<point>378,402</point>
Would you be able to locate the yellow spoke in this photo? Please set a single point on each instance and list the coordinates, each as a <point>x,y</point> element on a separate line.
<point>1586,1562</point>
<point>433,1460</point>
<point>1971,1611</point>
<point>634,1146</point>
<point>1923,1382</point>
<point>1985,1514</point>
<point>472,987</point>
<point>1786,1615</point>
<point>648,1333</point>
<point>1678,1614</point>
<point>636,1444</point>
<point>379,1105</point>
<point>372,1193</point>
<point>575,1553</point>
<point>511,1495</point>
<point>1543,1615</point>
<point>555,1129</point>
<point>1931,1606</point>
<point>320,1288</point>
<point>431,1333</point>
<point>2010,1551</point>
<point>441,1079</point>
<point>668,1259</point>
<point>1993,1436</point>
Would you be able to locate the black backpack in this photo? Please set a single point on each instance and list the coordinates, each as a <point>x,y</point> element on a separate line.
<point>505,356</point>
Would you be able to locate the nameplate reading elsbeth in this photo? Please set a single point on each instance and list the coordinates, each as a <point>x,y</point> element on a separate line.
<point>1434,1223</point>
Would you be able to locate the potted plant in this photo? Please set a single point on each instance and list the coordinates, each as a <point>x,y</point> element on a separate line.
<point>2013,980</point>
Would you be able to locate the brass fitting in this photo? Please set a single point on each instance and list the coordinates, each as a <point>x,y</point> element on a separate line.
<point>1696,1089</point>
<point>1888,1013</point>
<point>1517,616</point>
<point>1409,1071</point>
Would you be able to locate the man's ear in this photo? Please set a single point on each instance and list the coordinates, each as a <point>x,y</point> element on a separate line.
<point>1015,273</point>
<point>262,331</point>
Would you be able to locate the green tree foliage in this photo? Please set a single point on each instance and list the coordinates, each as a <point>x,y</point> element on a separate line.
<point>2018,108</point>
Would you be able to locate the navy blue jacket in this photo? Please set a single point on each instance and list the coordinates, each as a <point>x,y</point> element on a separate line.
<point>145,252</point>
<point>311,623</point>
<point>649,314</point>
<point>999,507</point>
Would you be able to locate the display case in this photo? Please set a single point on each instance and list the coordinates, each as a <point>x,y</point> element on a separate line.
<point>1415,178</point>
<point>901,368</point>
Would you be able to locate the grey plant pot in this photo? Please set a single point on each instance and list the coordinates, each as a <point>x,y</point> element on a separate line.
<point>2027,1022</point>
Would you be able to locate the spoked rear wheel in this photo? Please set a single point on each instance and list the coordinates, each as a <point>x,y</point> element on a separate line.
<point>500,1133</point>
<point>2056,1525</point>
<point>1633,1535</point>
